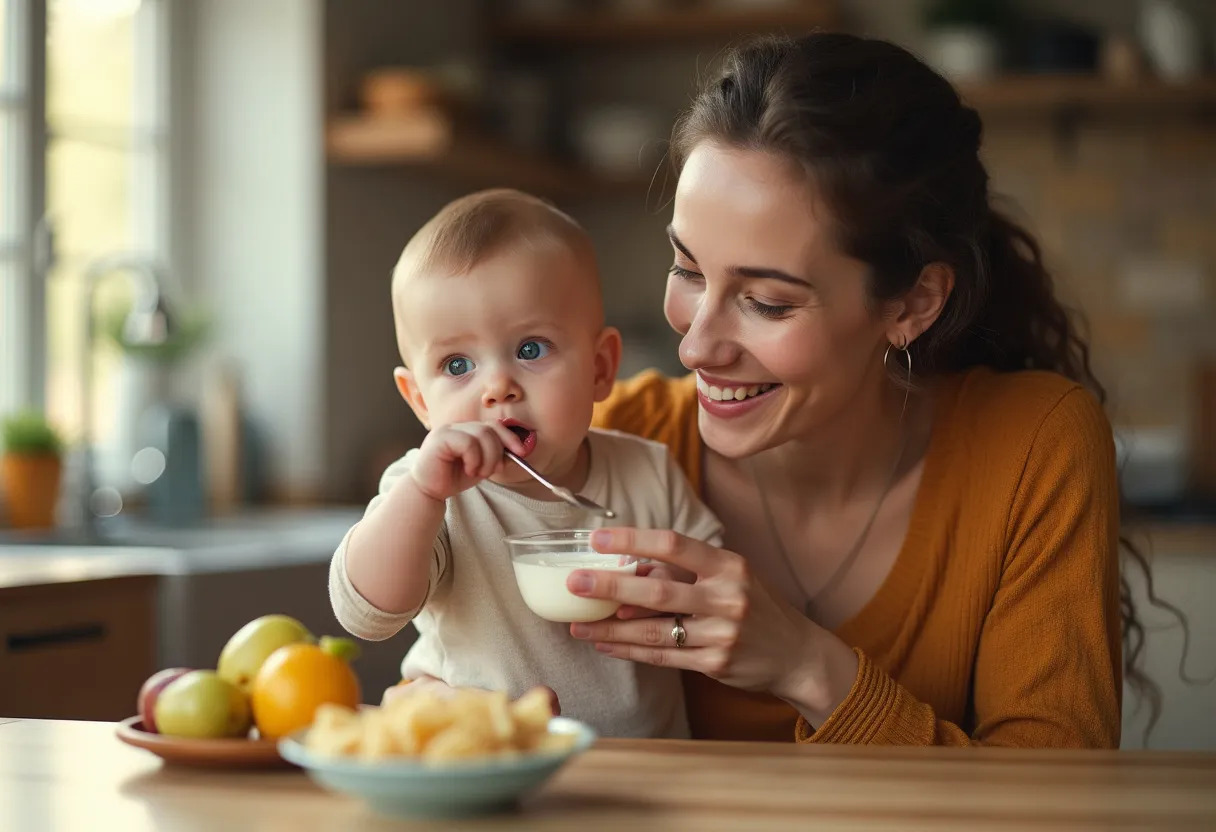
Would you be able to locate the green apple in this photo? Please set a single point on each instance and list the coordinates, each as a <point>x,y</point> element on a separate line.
<point>250,646</point>
<point>201,704</point>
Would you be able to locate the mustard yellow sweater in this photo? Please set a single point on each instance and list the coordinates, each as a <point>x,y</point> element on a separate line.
<point>999,623</point>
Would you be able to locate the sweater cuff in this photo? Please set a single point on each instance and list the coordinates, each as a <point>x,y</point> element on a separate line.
<point>877,710</point>
<point>356,614</point>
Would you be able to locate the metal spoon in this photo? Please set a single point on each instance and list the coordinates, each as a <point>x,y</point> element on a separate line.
<point>566,494</point>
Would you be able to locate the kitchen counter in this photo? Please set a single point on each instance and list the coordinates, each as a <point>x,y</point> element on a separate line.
<point>286,537</point>
<point>256,540</point>
<point>65,776</point>
<point>173,598</point>
<point>114,609</point>
<point>1183,537</point>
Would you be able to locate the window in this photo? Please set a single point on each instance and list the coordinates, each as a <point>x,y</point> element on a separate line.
<point>106,174</point>
<point>83,173</point>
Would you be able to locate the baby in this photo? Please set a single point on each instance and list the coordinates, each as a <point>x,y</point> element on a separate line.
<point>500,325</point>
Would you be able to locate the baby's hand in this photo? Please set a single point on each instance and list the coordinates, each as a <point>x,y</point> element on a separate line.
<point>456,457</point>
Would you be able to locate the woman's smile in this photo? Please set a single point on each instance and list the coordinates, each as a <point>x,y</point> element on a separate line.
<point>727,399</point>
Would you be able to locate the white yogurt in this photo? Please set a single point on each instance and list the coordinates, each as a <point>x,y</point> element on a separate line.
<point>542,582</point>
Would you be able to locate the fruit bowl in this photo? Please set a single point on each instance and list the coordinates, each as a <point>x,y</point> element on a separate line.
<point>411,789</point>
<point>214,753</point>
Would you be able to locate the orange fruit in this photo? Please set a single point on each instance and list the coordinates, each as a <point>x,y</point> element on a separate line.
<point>298,678</point>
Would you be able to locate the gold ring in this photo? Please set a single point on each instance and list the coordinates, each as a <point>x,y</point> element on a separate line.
<point>678,634</point>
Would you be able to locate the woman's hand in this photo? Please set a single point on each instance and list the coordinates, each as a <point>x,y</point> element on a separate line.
<point>661,571</point>
<point>737,629</point>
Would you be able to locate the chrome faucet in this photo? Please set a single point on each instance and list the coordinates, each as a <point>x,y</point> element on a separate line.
<point>147,324</point>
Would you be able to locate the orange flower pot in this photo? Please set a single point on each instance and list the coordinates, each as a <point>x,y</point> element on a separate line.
<point>31,489</point>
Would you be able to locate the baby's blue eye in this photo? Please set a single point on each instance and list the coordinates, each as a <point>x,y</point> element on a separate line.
<point>457,366</point>
<point>532,350</point>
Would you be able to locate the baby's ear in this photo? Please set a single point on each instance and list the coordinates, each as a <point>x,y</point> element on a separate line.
<point>408,388</point>
<point>607,361</point>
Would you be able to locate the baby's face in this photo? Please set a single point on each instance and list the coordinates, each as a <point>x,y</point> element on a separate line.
<point>519,339</point>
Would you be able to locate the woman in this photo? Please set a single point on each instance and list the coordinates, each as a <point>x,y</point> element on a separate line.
<point>893,417</point>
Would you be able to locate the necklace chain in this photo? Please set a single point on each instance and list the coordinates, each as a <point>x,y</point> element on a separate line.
<point>847,561</point>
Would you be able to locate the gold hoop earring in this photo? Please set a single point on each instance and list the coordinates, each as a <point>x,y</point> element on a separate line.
<point>903,348</point>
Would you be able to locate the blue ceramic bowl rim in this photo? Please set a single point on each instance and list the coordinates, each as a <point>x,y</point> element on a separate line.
<point>293,749</point>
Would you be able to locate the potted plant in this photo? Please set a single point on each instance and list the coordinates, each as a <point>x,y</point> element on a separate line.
<point>964,37</point>
<point>30,469</point>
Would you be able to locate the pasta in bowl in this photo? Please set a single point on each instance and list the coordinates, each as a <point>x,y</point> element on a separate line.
<point>431,756</point>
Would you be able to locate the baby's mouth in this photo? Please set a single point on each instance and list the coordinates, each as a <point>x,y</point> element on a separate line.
<point>525,434</point>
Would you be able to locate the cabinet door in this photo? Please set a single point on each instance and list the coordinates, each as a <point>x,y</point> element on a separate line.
<point>76,650</point>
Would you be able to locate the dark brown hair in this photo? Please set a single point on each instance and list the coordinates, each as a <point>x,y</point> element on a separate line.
<point>895,153</point>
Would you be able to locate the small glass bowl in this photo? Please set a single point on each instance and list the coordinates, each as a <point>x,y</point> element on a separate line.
<point>542,562</point>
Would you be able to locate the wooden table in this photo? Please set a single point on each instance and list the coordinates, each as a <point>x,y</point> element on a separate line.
<point>76,776</point>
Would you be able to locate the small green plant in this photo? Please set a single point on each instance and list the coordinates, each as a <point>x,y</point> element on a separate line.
<point>190,332</point>
<point>28,433</point>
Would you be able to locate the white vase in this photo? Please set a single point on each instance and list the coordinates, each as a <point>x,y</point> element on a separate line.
<point>963,53</point>
<point>1171,39</point>
<point>140,385</point>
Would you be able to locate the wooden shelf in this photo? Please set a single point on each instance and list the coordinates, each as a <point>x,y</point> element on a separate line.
<point>1054,93</point>
<point>665,26</point>
<point>430,141</point>
<point>477,160</point>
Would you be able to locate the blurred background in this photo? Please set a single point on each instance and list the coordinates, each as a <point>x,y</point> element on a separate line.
<point>200,204</point>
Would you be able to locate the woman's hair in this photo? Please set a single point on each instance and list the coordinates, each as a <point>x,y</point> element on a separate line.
<point>895,153</point>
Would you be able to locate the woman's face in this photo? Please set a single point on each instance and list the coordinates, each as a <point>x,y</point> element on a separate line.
<point>775,319</point>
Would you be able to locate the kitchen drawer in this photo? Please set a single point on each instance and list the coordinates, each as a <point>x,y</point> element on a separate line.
<point>76,650</point>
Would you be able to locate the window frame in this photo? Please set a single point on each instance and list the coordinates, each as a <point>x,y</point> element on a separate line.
<point>25,245</point>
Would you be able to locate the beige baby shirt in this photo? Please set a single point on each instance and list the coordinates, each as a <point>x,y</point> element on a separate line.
<point>474,629</point>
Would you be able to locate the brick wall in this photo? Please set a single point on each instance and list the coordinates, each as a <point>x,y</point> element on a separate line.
<point>1126,212</point>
